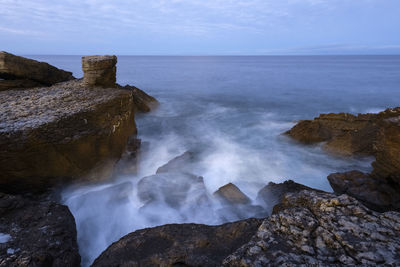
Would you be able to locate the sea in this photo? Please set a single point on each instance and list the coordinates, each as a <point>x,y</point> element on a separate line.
<point>232,112</point>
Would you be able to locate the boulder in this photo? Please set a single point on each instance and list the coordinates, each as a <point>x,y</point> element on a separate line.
<point>178,245</point>
<point>231,194</point>
<point>99,70</point>
<point>142,101</point>
<point>272,194</point>
<point>178,164</point>
<point>14,67</point>
<point>63,133</point>
<point>36,232</point>
<point>321,229</point>
<point>376,193</point>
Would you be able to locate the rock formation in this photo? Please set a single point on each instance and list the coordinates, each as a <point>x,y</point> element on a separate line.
<point>142,101</point>
<point>180,163</point>
<point>20,72</point>
<point>231,194</point>
<point>36,233</point>
<point>99,70</point>
<point>178,245</point>
<point>321,229</point>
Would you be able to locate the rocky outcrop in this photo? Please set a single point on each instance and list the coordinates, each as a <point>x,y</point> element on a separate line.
<point>142,101</point>
<point>231,194</point>
<point>272,194</point>
<point>29,73</point>
<point>99,70</point>
<point>18,84</point>
<point>178,245</point>
<point>178,164</point>
<point>322,229</point>
<point>36,233</point>
<point>377,194</point>
<point>62,133</point>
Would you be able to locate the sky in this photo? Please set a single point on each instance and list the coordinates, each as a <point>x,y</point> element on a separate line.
<point>200,27</point>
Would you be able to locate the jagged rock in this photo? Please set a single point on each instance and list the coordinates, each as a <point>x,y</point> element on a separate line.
<point>178,245</point>
<point>18,84</point>
<point>36,233</point>
<point>387,164</point>
<point>14,67</point>
<point>273,193</point>
<point>322,229</point>
<point>99,70</point>
<point>178,164</point>
<point>376,193</point>
<point>66,132</point>
<point>142,101</point>
<point>231,194</point>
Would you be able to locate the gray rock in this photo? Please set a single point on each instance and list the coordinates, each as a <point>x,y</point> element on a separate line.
<point>180,163</point>
<point>322,229</point>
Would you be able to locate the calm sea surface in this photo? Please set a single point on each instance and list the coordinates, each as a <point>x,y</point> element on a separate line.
<point>231,111</point>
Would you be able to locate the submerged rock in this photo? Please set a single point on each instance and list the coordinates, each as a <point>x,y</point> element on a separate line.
<point>62,133</point>
<point>322,229</point>
<point>16,68</point>
<point>36,233</point>
<point>178,245</point>
<point>99,70</point>
<point>377,194</point>
<point>178,164</point>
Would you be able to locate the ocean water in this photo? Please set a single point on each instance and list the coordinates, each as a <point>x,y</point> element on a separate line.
<point>230,111</point>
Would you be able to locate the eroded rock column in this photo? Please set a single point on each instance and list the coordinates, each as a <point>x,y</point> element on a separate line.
<point>99,70</point>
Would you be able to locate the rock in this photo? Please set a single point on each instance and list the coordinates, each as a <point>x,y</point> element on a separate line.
<point>272,194</point>
<point>387,164</point>
<point>36,233</point>
<point>142,101</point>
<point>178,245</point>
<point>18,84</point>
<point>178,164</point>
<point>375,193</point>
<point>173,189</point>
<point>322,229</point>
<point>63,133</point>
<point>99,70</point>
<point>14,67</point>
<point>231,194</point>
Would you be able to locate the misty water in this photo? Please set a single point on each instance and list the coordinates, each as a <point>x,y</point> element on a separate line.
<point>231,113</point>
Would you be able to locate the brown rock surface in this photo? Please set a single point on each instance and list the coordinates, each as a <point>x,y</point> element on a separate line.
<point>142,101</point>
<point>36,233</point>
<point>99,70</point>
<point>14,67</point>
<point>377,194</point>
<point>18,84</point>
<point>231,194</point>
<point>321,229</point>
<point>62,133</point>
<point>178,245</point>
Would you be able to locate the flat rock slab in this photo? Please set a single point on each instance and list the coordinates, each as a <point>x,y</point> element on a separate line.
<point>60,133</point>
<point>36,233</point>
<point>15,67</point>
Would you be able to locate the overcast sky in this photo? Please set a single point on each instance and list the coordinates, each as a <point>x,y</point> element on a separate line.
<point>200,27</point>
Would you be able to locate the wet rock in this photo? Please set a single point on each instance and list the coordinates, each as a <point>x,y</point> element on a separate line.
<point>174,189</point>
<point>375,193</point>
<point>231,194</point>
<point>178,245</point>
<point>142,101</point>
<point>322,229</point>
<point>14,68</point>
<point>272,194</point>
<point>178,164</point>
<point>99,70</point>
<point>63,133</point>
<point>36,233</point>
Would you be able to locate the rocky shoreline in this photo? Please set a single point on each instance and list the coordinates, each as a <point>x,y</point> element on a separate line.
<point>66,130</point>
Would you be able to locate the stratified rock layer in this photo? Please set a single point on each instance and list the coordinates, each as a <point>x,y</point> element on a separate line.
<point>14,67</point>
<point>178,245</point>
<point>99,70</point>
<point>36,233</point>
<point>62,133</point>
<point>322,229</point>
